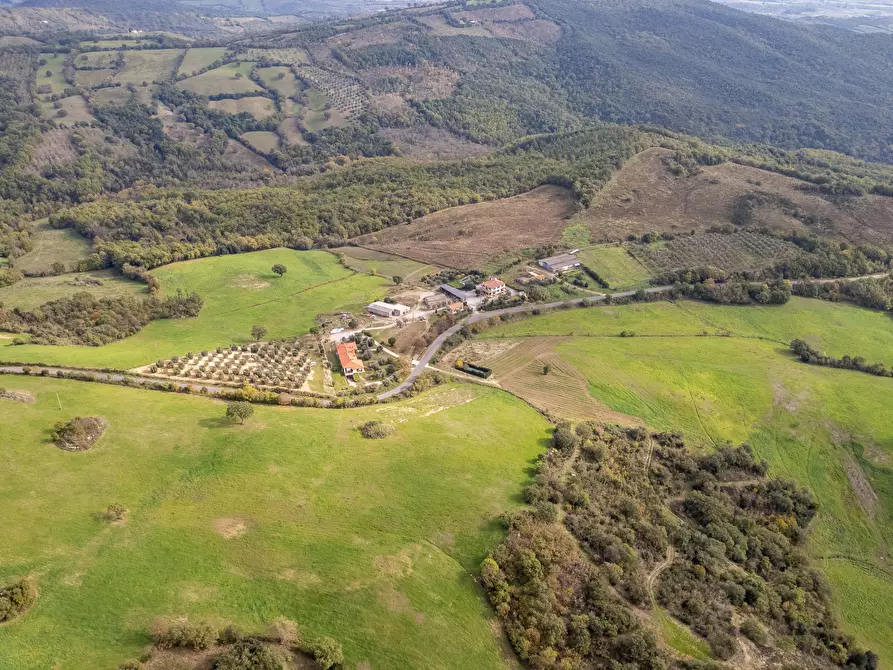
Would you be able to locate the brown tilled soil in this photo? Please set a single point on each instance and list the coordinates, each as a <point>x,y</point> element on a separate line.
<point>469,236</point>
<point>518,366</point>
<point>645,196</point>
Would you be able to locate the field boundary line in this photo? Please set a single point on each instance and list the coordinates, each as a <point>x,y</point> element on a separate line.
<point>352,273</point>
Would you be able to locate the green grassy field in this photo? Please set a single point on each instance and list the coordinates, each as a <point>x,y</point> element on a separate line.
<point>93,59</point>
<point>52,245</point>
<point>293,514</point>
<point>223,80</point>
<point>94,78</point>
<point>239,291</point>
<point>32,292</point>
<point>262,140</point>
<point>258,106</point>
<point>148,66</point>
<point>616,266</point>
<point>75,109</point>
<point>200,57</point>
<point>315,116</point>
<point>385,265</point>
<point>288,85</point>
<point>835,328</point>
<point>54,66</point>
<point>111,96</point>
<point>821,427</point>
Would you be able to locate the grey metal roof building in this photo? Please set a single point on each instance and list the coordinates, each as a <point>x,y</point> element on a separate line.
<point>559,263</point>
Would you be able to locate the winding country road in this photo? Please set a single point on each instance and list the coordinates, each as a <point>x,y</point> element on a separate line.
<point>481,316</point>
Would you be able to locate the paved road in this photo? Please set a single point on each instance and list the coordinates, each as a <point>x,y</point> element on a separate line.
<point>481,316</point>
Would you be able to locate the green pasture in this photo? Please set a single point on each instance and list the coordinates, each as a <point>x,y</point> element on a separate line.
<point>32,292</point>
<point>835,328</point>
<point>262,140</point>
<point>56,80</point>
<point>293,514</point>
<point>223,80</point>
<point>93,59</point>
<point>616,266</point>
<point>51,245</point>
<point>148,66</point>
<point>199,58</point>
<point>287,85</point>
<point>239,291</point>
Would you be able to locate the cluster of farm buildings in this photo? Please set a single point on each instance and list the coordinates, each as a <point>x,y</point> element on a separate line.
<point>447,299</point>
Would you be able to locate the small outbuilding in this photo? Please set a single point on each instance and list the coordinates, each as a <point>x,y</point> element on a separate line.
<point>386,309</point>
<point>435,301</point>
<point>560,263</point>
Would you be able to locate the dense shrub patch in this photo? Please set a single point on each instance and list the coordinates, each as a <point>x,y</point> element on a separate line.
<point>565,591</point>
<point>376,430</point>
<point>85,319</point>
<point>79,434</point>
<point>15,598</point>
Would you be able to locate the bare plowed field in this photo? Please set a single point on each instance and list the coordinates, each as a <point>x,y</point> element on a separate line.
<point>532,370</point>
<point>469,236</point>
<point>645,196</point>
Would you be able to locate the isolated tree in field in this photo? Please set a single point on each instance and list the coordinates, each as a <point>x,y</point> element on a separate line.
<point>240,410</point>
<point>392,341</point>
<point>280,269</point>
<point>257,332</point>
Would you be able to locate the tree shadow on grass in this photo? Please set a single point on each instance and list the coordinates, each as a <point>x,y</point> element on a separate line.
<point>217,422</point>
